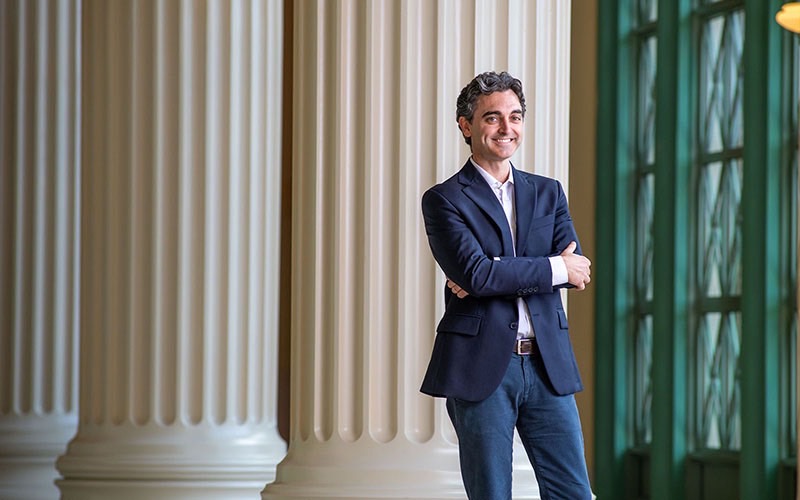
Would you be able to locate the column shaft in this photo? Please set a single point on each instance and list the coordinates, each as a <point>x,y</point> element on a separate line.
<point>375,86</point>
<point>180,193</point>
<point>39,171</point>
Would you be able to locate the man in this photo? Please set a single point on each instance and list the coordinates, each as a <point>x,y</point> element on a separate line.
<point>502,356</point>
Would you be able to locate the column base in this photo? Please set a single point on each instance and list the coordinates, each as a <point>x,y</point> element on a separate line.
<point>88,489</point>
<point>30,446</point>
<point>28,478</point>
<point>169,462</point>
<point>369,470</point>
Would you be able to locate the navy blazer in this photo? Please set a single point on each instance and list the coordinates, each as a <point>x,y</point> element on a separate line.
<point>471,241</point>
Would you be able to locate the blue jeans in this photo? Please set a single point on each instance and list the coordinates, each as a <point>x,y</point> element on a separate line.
<point>548,425</point>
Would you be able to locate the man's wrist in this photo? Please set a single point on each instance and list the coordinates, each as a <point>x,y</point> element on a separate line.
<point>559,270</point>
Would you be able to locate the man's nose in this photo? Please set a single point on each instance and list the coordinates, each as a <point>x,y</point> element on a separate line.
<point>504,124</point>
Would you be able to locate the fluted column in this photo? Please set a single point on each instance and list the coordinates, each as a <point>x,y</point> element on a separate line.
<point>375,86</point>
<point>180,192</point>
<point>38,243</point>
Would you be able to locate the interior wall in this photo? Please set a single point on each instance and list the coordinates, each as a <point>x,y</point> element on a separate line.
<point>582,199</point>
<point>285,307</point>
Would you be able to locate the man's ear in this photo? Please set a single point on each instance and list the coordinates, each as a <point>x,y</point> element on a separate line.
<point>465,126</point>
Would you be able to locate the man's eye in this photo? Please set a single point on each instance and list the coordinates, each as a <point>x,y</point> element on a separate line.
<point>491,119</point>
<point>516,118</point>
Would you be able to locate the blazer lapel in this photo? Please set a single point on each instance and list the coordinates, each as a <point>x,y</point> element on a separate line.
<point>525,200</point>
<point>479,192</point>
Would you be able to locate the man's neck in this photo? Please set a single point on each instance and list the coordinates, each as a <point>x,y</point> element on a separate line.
<point>498,170</point>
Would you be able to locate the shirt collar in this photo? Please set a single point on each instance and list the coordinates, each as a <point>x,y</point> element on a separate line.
<point>493,183</point>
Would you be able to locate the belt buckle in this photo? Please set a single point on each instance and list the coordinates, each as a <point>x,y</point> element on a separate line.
<point>524,346</point>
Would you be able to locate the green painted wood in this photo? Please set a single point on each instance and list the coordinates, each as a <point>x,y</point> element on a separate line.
<point>610,276</point>
<point>673,162</point>
<point>709,473</point>
<point>761,253</point>
<point>787,475</point>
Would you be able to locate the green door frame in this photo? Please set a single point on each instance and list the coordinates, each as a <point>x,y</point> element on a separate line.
<point>612,273</point>
<point>671,234</point>
<point>763,275</point>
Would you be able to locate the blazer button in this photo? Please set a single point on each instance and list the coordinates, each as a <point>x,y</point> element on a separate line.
<point>535,289</point>
<point>513,325</point>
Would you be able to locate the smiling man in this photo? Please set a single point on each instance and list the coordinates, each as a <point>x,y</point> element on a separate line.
<point>502,355</point>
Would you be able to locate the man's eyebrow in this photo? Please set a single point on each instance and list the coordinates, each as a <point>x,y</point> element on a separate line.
<point>496,112</point>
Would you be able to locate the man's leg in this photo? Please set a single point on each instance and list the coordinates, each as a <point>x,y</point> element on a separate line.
<point>485,433</point>
<point>550,429</point>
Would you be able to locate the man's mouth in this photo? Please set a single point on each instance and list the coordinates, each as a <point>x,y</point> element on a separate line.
<point>506,140</point>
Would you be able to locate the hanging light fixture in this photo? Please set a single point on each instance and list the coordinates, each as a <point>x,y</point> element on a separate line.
<point>789,16</point>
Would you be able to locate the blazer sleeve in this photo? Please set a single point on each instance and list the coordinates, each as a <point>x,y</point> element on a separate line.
<point>458,251</point>
<point>564,232</point>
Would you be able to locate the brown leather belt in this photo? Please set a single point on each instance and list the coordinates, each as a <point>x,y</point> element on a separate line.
<point>525,347</point>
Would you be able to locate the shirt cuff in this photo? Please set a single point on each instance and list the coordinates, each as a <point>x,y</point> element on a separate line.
<point>559,269</point>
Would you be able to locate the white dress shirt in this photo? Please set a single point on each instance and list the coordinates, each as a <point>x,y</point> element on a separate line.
<point>505,195</point>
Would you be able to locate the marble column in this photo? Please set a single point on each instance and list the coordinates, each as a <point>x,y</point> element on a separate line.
<point>179,262</point>
<point>39,172</point>
<point>375,85</point>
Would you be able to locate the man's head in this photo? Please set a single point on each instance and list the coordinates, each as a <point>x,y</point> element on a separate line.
<point>483,85</point>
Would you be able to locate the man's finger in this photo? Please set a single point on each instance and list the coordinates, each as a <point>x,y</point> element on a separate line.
<point>570,248</point>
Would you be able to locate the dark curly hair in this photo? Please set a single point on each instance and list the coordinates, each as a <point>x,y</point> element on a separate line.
<point>485,84</point>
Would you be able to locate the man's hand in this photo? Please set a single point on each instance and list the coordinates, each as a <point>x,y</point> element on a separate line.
<point>579,268</point>
<point>460,292</point>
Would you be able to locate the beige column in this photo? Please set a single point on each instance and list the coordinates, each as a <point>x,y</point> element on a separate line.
<point>39,169</point>
<point>179,261</point>
<point>375,86</point>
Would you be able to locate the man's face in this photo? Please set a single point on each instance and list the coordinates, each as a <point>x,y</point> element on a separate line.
<point>496,127</point>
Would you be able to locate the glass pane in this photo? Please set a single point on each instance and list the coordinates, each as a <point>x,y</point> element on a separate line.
<point>717,258</point>
<point>640,388</point>
<point>721,82</point>
<point>717,419</point>
<point>646,105</point>
<point>646,11</point>
<point>643,381</point>
<point>719,229</point>
<point>644,239</point>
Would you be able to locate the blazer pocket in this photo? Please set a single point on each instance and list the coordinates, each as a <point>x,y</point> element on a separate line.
<point>562,319</point>
<point>547,220</point>
<point>463,324</point>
